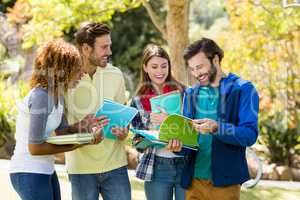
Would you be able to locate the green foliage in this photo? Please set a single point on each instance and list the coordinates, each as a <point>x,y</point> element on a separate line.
<point>265,48</point>
<point>208,18</point>
<point>51,19</point>
<point>206,12</point>
<point>6,4</point>
<point>10,94</point>
<point>2,52</point>
<point>11,65</point>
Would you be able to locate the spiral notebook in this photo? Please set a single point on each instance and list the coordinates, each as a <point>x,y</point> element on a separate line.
<point>173,127</point>
<point>170,102</point>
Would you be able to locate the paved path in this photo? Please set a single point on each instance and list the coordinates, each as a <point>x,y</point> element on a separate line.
<point>7,192</point>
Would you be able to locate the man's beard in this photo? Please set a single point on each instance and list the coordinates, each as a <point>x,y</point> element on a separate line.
<point>212,73</point>
<point>94,60</point>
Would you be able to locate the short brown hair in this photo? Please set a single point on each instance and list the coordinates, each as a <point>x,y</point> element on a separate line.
<point>56,63</point>
<point>88,32</point>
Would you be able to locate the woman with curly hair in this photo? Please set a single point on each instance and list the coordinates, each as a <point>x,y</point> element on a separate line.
<point>57,68</point>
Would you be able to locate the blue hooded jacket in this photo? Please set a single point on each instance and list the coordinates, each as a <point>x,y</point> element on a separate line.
<point>238,128</point>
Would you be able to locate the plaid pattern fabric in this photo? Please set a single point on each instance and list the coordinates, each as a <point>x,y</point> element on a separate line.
<point>145,167</point>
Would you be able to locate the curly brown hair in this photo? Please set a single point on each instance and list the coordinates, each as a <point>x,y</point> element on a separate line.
<point>55,66</point>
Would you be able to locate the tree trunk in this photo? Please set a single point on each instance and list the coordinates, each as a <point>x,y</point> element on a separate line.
<point>177,36</point>
<point>8,36</point>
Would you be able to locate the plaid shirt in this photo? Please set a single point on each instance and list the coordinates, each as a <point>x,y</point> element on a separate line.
<point>145,167</point>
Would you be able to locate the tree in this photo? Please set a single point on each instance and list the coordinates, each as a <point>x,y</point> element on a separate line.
<point>55,18</point>
<point>128,43</point>
<point>50,19</point>
<point>38,21</point>
<point>265,48</point>
<point>174,29</point>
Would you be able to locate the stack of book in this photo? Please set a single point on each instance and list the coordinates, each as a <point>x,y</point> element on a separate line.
<point>78,138</point>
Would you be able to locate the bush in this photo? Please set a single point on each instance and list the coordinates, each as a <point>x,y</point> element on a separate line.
<point>10,94</point>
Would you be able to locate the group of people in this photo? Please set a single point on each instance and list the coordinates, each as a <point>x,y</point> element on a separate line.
<point>69,84</point>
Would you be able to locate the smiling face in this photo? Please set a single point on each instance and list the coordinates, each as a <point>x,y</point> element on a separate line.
<point>202,69</point>
<point>75,78</point>
<point>157,69</point>
<point>99,54</point>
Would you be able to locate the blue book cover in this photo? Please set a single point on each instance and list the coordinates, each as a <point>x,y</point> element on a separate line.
<point>170,102</point>
<point>119,115</point>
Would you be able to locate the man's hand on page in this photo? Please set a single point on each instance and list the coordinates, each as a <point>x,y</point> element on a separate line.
<point>174,145</point>
<point>205,125</point>
<point>120,133</point>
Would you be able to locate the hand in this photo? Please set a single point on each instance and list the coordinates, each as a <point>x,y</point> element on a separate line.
<point>97,135</point>
<point>158,118</point>
<point>205,125</point>
<point>174,145</point>
<point>90,121</point>
<point>97,131</point>
<point>120,133</point>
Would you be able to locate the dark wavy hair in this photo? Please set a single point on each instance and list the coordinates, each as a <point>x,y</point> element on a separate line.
<point>205,45</point>
<point>89,31</point>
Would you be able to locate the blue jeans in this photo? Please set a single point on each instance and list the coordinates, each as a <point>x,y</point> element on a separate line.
<point>112,185</point>
<point>166,179</point>
<point>32,186</point>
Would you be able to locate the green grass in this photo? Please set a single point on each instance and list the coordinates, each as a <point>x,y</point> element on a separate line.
<point>262,193</point>
<point>257,193</point>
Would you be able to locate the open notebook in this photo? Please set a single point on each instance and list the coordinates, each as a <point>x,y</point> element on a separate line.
<point>173,127</point>
<point>78,138</point>
<point>118,114</point>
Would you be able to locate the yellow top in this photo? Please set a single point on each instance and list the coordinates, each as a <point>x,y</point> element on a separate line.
<point>86,98</point>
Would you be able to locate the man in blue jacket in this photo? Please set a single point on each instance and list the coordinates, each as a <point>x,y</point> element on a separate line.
<point>225,112</point>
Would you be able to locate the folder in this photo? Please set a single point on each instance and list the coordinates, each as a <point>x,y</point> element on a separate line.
<point>118,114</point>
<point>78,138</point>
<point>171,102</point>
<point>144,139</point>
<point>173,127</point>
